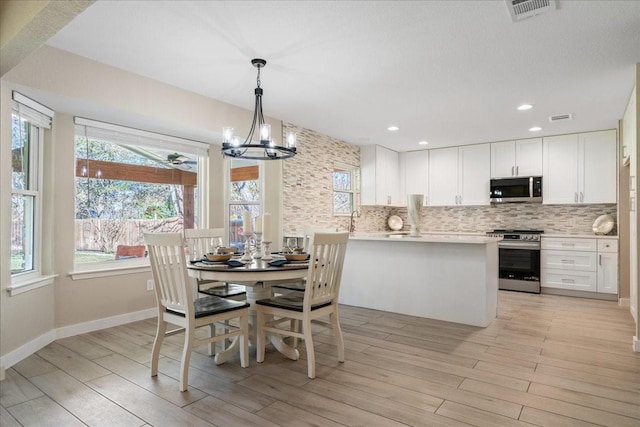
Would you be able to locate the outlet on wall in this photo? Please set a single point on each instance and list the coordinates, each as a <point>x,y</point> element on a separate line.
<point>150,284</point>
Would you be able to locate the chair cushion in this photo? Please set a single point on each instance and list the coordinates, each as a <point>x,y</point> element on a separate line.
<point>291,286</point>
<point>207,306</point>
<point>289,302</point>
<point>226,291</point>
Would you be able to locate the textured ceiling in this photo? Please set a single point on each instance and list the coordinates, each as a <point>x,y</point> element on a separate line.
<point>449,72</point>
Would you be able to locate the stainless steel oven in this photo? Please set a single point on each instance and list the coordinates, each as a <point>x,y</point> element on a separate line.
<point>519,260</point>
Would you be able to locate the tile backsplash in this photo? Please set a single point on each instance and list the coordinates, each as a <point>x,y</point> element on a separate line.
<point>550,218</point>
<point>308,187</point>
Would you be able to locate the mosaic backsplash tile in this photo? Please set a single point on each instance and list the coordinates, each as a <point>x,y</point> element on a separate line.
<point>308,187</point>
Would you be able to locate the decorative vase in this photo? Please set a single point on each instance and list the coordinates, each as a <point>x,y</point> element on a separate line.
<point>414,210</point>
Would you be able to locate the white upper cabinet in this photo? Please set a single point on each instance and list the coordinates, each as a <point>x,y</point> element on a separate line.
<point>414,174</point>
<point>380,176</point>
<point>516,158</point>
<point>580,168</point>
<point>459,175</point>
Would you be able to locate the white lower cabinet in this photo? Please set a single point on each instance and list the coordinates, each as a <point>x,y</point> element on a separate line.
<point>580,264</point>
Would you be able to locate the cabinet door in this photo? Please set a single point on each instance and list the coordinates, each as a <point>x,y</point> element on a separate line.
<point>382,192</point>
<point>392,177</point>
<point>560,169</point>
<point>503,159</point>
<point>474,173</point>
<point>608,273</point>
<point>415,165</point>
<point>368,175</point>
<point>528,157</point>
<point>443,176</point>
<point>597,167</point>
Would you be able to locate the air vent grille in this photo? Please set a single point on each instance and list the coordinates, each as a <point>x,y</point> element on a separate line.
<point>523,9</point>
<point>560,117</point>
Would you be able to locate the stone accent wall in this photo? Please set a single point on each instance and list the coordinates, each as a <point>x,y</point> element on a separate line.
<point>308,187</point>
<point>308,181</point>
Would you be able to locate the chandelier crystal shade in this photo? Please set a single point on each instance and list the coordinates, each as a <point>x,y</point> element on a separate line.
<point>266,148</point>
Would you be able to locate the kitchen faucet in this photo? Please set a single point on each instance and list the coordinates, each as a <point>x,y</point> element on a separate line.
<point>352,224</point>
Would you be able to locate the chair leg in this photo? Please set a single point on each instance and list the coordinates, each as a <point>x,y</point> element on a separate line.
<point>260,337</point>
<point>308,343</point>
<point>211,347</point>
<point>161,330</point>
<point>186,357</point>
<point>337,331</point>
<point>244,340</point>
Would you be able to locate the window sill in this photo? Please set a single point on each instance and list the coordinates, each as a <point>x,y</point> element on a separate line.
<point>30,284</point>
<point>107,269</point>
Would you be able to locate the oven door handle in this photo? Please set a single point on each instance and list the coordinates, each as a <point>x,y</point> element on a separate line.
<point>519,245</point>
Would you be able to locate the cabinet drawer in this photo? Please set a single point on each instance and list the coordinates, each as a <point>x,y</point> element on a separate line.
<point>608,245</point>
<point>569,244</point>
<point>564,279</point>
<point>567,260</point>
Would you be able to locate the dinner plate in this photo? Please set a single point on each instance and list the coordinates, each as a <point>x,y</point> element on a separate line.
<point>603,224</point>
<point>395,222</point>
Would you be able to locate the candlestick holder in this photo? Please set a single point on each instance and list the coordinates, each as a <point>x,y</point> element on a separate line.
<point>267,255</point>
<point>247,247</point>
<point>258,252</point>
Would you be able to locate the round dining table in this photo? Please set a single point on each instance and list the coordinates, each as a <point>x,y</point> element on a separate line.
<point>258,276</point>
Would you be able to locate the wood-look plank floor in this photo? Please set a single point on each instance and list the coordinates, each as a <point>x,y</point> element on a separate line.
<point>546,361</point>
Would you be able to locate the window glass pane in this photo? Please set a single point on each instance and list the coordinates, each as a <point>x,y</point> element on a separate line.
<point>20,153</point>
<point>236,227</point>
<point>123,192</point>
<point>342,180</point>
<point>342,202</point>
<point>22,227</point>
<point>248,191</point>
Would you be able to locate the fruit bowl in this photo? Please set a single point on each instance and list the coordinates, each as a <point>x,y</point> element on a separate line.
<point>298,256</point>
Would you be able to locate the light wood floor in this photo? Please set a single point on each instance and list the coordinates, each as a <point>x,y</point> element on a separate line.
<point>546,361</point>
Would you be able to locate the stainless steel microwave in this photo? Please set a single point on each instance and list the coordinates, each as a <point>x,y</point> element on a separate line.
<point>510,190</point>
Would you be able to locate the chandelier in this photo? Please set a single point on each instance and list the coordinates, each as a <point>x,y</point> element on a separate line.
<point>267,147</point>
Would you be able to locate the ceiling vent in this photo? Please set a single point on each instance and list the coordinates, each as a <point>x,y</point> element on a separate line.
<point>560,117</point>
<point>523,9</point>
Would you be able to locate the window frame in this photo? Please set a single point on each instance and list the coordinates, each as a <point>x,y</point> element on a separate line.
<point>33,277</point>
<point>354,191</point>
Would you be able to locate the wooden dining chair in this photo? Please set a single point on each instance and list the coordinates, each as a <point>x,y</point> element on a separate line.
<point>199,241</point>
<point>320,298</point>
<point>176,305</point>
<point>286,287</point>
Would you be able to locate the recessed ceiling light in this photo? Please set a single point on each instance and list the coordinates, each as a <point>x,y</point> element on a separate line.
<point>423,142</point>
<point>525,107</point>
<point>393,128</point>
<point>535,129</point>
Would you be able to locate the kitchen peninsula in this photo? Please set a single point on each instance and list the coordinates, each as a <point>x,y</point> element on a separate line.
<point>451,277</point>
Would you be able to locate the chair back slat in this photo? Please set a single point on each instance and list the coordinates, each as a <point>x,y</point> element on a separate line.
<point>307,235</point>
<point>200,239</point>
<point>169,267</point>
<point>325,268</point>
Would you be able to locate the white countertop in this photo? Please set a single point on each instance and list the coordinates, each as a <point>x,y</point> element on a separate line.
<point>468,238</point>
<point>579,236</point>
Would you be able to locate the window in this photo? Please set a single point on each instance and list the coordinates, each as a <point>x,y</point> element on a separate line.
<point>245,195</point>
<point>345,184</point>
<point>129,182</point>
<point>28,122</point>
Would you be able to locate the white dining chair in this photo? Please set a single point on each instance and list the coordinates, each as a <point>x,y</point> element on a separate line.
<point>200,242</point>
<point>177,306</point>
<point>320,298</point>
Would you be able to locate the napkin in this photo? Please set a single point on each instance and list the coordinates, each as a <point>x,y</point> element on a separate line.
<point>278,262</point>
<point>234,263</point>
<point>197,260</point>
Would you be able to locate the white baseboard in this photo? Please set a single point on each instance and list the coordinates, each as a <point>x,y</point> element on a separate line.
<point>636,344</point>
<point>624,302</point>
<point>26,350</point>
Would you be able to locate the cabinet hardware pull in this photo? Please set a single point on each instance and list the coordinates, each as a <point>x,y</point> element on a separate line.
<point>388,200</point>
<point>517,173</point>
<point>568,261</point>
<point>600,260</point>
<point>511,170</point>
<point>567,244</point>
<point>581,197</point>
<point>568,281</point>
<point>575,197</point>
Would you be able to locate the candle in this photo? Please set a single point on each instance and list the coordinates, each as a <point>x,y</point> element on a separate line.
<point>246,222</point>
<point>266,227</point>
<point>259,224</point>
